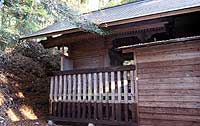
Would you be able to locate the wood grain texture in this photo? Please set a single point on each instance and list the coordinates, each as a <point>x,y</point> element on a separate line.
<point>169,110</point>
<point>169,92</point>
<point>91,112</point>
<point>169,84</point>
<point>154,122</point>
<point>91,56</point>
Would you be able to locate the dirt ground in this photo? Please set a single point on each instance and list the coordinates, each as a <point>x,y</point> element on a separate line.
<point>24,84</point>
<point>29,123</point>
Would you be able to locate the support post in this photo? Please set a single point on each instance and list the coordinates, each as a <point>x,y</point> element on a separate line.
<point>136,87</point>
<point>62,59</point>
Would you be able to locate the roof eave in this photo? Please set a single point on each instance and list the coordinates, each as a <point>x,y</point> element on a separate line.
<point>152,16</point>
<point>123,21</point>
<point>162,42</point>
<point>51,34</point>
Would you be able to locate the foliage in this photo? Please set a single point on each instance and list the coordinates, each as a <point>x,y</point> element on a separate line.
<point>61,11</point>
<point>118,2</point>
<point>127,1</point>
<point>19,17</point>
<point>24,72</point>
<point>22,17</point>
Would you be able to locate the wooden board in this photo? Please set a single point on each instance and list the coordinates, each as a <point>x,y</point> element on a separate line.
<point>155,122</point>
<point>169,84</point>
<point>88,55</point>
<point>175,111</point>
<point>169,92</point>
<point>123,113</point>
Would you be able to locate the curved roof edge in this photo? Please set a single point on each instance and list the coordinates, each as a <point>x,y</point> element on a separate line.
<point>122,14</point>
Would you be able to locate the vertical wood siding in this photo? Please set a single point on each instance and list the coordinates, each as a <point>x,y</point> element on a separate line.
<point>169,84</point>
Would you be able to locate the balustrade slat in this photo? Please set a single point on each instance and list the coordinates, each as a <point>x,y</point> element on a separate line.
<point>51,88</point>
<point>79,87</point>
<point>125,79</point>
<point>69,80</point>
<point>113,95</point>
<point>60,88</point>
<point>98,95</point>
<point>100,87</point>
<point>74,88</point>
<point>100,112</point>
<point>119,85</point>
<point>113,87</point>
<point>84,87</point>
<point>125,87</point>
<point>95,87</point>
<point>65,88</point>
<point>132,86</point>
<point>106,86</point>
<point>56,88</point>
<point>89,87</point>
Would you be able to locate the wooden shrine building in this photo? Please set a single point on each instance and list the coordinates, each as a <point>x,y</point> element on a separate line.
<point>145,73</point>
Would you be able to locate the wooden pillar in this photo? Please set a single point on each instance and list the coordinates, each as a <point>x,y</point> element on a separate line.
<point>136,87</point>
<point>107,46</point>
<point>62,59</point>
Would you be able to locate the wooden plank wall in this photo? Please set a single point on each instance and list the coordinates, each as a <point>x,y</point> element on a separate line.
<point>89,55</point>
<point>169,84</point>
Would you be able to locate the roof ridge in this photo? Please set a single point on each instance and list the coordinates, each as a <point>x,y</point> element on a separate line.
<point>134,2</point>
<point>132,10</point>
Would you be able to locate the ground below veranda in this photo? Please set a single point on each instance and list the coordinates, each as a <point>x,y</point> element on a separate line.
<point>24,84</point>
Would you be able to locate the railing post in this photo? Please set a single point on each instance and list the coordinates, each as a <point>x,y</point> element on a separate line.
<point>51,96</point>
<point>132,86</point>
<point>60,88</point>
<point>62,59</point>
<point>119,89</point>
<point>51,89</point>
<point>119,85</point>
<point>89,88</point>
<point>84,96</point>
<point>84,87</point>
<point>79,87</point>
<point>125,81</point>
<point>69,79</point>
<point>56,89</point>
<point>113,94</point>
<point>107,87</point>
<point>65,88</point>
<point>74,88</point>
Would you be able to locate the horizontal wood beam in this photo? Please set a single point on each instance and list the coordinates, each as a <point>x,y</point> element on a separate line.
<point>96,70</point>
<point>176,40</point>
<point>105,122</point>
<point>83,36</point>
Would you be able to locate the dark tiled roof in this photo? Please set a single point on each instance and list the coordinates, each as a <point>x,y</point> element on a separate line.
<point>121,12</point>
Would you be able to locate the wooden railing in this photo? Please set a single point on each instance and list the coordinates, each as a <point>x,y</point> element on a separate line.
<point>96,86</point>
<point>107,85</point>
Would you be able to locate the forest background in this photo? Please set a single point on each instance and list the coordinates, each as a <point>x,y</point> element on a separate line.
<point>22,17</point>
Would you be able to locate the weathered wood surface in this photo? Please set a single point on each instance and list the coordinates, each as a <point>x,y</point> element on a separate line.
<point>88,55</point>
<point>169,84</point>
<point>97,94</point>
<point>112,85</point>
<point>91,112</point>
<point>96,70</point>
